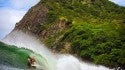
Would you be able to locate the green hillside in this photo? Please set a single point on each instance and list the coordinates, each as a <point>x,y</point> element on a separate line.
<point>94,31</point>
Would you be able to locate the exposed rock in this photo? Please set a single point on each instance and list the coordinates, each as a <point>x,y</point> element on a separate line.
<point>35,16</point>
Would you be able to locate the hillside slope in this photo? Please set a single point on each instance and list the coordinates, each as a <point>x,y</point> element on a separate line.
<point>90,29</point>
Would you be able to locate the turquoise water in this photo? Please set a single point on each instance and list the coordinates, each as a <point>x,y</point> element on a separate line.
<point>17,57</point>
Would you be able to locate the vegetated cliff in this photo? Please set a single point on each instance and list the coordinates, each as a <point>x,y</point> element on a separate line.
<point>90,29</point>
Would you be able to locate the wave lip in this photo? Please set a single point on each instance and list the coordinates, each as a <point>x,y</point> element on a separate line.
<point>53,61</point>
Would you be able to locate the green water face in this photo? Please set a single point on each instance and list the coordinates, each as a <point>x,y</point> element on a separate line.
<point>17,57</point>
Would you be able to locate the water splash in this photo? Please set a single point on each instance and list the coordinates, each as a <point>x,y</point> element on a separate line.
<point>27,41</point>
<point>69,62</point>
<point>54,62</point>
<point>3,67</point>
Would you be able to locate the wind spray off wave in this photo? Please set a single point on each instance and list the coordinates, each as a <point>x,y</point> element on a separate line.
<point>53,61</point>
<point>27,41</point>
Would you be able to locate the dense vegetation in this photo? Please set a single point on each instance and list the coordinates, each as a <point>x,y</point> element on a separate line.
<point>102,44</point>
<point>96,32</point>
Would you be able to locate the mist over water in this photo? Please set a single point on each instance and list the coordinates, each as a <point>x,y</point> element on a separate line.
<point>53,61</point>
<point>22,40</point>
<point>3,67</point>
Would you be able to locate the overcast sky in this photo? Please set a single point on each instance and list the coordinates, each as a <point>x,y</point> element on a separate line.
<point>11,12</point>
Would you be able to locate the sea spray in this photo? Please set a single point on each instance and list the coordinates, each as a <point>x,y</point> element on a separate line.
<point>3,67</point>
<point>26,40</point>
<point>69,62</point>
<point>53,62</point>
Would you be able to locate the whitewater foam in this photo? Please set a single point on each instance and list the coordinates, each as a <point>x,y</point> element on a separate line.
<point>69,62</point>
<point>26,40</point>
<point>3,67</point>
<point>62,62</point>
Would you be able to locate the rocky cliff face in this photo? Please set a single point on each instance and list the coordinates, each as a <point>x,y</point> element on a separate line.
<point>36,22</point>
<point>35,17</point>
<point>90,29</point>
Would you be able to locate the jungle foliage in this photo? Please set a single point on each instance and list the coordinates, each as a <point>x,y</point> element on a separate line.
<point>97,29</point>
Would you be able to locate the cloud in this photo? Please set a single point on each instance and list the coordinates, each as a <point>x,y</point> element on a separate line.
<point>23,4</point>
<point>11,12</point>
<point>119,2</point>
<point>8,18</point>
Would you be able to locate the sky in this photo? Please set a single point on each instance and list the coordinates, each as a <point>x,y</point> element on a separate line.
<point>119,2</point>
<point>12,11</point>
